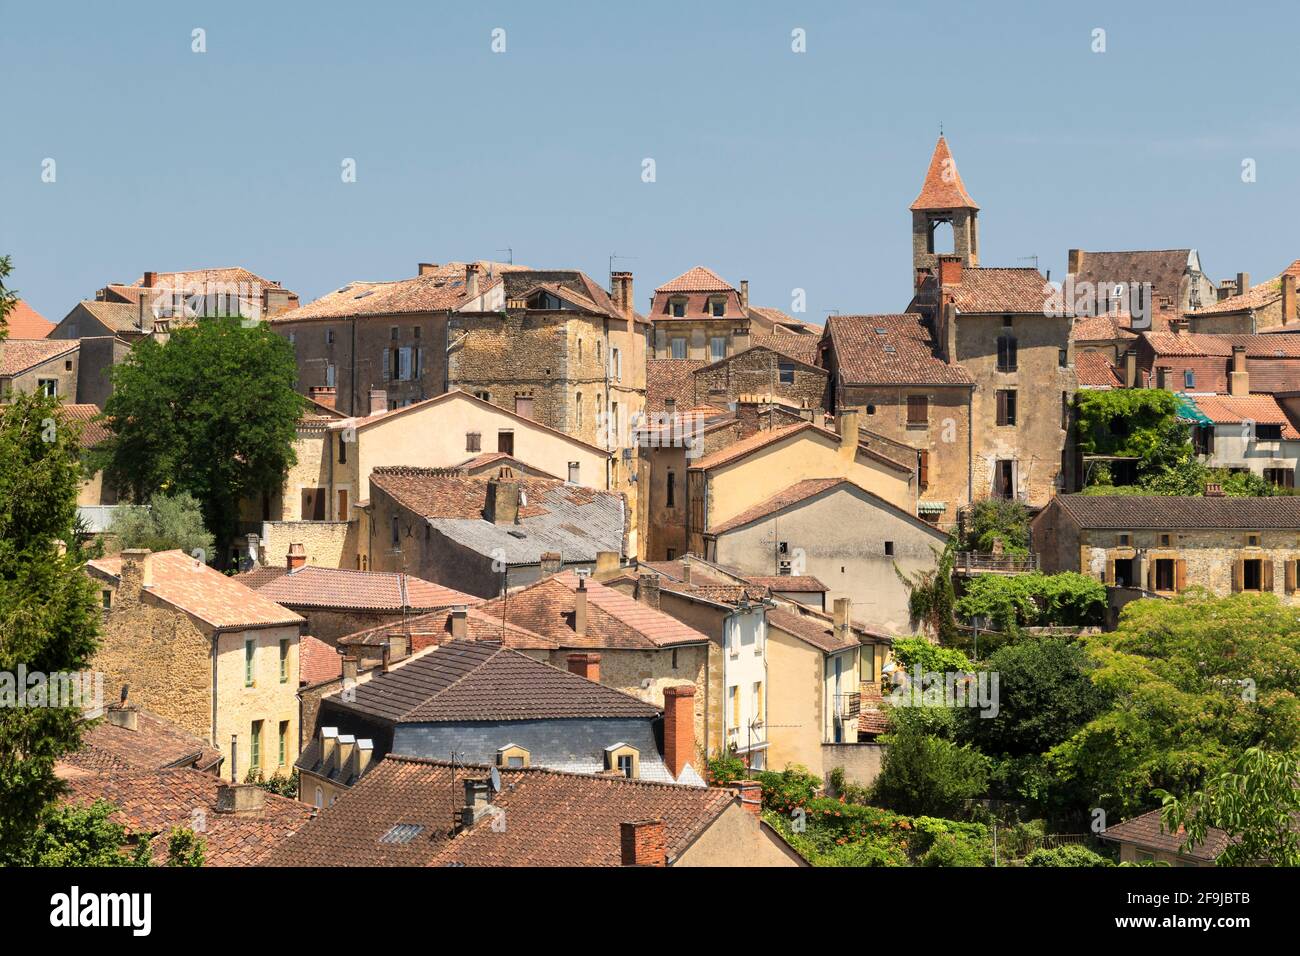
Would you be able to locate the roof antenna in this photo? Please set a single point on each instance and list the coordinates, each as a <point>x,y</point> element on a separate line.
<point>510,255</point>
<point>612,257</point>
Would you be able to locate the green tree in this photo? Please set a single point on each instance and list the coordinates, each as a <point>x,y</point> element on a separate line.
<point>1010,602</point>
<point>185,848</point>
<point>213,412</point>
<point>73,835</point>
<point>995,519</point>
<point>931,596</point>
<point>1068,855</point>
<point>1140,423</point>
<point>169,522</point>
<point>1255,801</point>
<point>48,616</point>
<point>927,775</point>
<point>932,658</point>
<point>8,297</point>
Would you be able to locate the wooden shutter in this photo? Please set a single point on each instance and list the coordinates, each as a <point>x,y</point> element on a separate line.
<point>1266,575</point>
<point>1238,574</point>
<point>1180,575</point>
<point>1002,407</point>
<point>1110,571</point>
<point>1290,567</point>
<point>923,468</point>
<point>388,359</point>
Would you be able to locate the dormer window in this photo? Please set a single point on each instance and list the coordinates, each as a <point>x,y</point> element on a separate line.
<point>677,308</point>
<point>717,307</point>
<point>512,756</point>
<point>625,759</point>
<point>545,302</point>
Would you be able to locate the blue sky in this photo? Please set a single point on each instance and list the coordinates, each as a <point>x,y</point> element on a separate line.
<point>790,170</point>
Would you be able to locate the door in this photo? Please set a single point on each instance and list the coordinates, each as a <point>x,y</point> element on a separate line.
<point>342,513</point>
<point>506,442</point>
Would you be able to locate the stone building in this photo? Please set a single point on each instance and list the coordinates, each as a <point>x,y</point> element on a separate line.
<point>761,372</point>
<point>1165,544</point>
<point>700,316</point>
<point>1268,307</point>
<point>1185,361</point>
<point>1154,287</point>
<point>943,211</point>
<point>205,652</point>
<point>47,366</point>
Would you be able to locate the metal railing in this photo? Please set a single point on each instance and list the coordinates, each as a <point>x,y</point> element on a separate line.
<point>847,706</point>
<point>978,562</point>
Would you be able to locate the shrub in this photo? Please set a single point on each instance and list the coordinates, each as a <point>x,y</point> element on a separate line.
<point>928,775</point>
<point>792,787</point>
<point>949,849</point>
<point>1069,855</point>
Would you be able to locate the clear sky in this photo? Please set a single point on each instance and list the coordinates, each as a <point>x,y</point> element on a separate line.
<point>792,170</point>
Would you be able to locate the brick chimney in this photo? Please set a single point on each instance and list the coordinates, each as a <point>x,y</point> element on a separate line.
<point>1131,368</point>
<point>378,401</point>
<point>580,606</point>
<point>150,280</point>
<point>620,290</point>
<point>846,426</point>
<point>471,280</point>
<point>642,843</point>
<point>1243,282</point>
<point>950,270</point>
<point>145,310</point>
<point>296,558</point>
<point>679,727</point>
<point>427,267</point>
<point>240,798</point>
<point>324,395</point>
<point>746,418</point>
<point>647,590</point>
<point>1213,490</point>
<point>1239,378</point>
<point>744,293</point>
<point>1288,298</point>
<point>502,499</point>
<point>460,623</point>
<point>1075,259</point>
<point>136,575</point>
<point>585,665</point>
<point>551,562</point>
<point>751,795</point>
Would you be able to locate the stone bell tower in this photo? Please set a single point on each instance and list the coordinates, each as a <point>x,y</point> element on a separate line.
<point>944,199</point>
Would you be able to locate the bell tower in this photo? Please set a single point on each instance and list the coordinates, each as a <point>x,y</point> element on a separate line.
<point>944,202</point>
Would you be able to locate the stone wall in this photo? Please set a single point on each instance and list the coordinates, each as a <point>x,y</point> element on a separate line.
<point>861,762</point>
<point>757,371</point>
<point>329,544</point>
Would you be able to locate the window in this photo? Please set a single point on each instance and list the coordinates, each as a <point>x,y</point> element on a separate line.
<point>392,333</point>
<point>320,799</point>
<point>718,307</point>
<point>1004,479</point>
<point>625,765</point>
<point>284,742</point>
<point>329,376</point>
<point>1164,574</point>
<point>255,746</point>
<point>733,693</point>
<point>284,660</point>
<point>483,396</point>
<point>1268,432</point>
<point>512,755</point>
<point>107,597</point>
<point>1006,406</point>
<point>1189,378</point>
<point>49,387</point>
<point>1063,358</point>
<point>671,498</point>
<point>672,553</point>
<point>889,549</point>
<point>1124,539</point>
<point>626,759</point>
<point>329,336</point>
<point>758,700</point>
<point>679,347</point>
<point>785,373</point>
<point>249,648</point>
<point>1006,321</point>
<point>1252,575</point>
<point>403,364</point>
<point>1006,354</point>
<point>1165,540</point>
<point>1280,477</point>
<point>718,348</point>
<point>918,410</point>
<point>616,364</point>
<point>677,308</point>
<point>871,409</point>
<point>415,331</point>
<point>573,472</point>
<point>473,441</point>
<point>506,441</point>
<point>67,366</point>
<point>396,534</point>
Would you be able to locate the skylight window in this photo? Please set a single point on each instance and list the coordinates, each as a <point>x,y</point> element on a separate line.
<point>402,833</point>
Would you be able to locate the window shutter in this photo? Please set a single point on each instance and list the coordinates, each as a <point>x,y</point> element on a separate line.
<point>1002,408</point>
<point>1267,577</point>
<point>387,362</point>
<point>1238,573</point>
<point>1180,575</point>
<point>923,467</point>
<point>1290,576</point>
<point>1110,572</point>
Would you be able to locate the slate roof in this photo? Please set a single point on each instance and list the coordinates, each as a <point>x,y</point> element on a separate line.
<point>614,620</point>
<point>810,630</point>
<point>24,322</point>
<point>1233,410</point>
<point>890,350</point>
<point>204,592</point>
<point>1095,371</point>
<point>943,188</point>
<point>1172,513</point>
<point>18,355</point>
<point>1163,269</point>
<point>443,289</point>
<point>1147,832</point>
<point>555,818</point>
<point>155,744</point>
<point>343,588</point>
<point>154,801</point>
<point>574,520</point>
<point>470,680</point>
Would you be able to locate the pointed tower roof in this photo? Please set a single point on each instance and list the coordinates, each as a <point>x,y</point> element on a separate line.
<point>943,188</point>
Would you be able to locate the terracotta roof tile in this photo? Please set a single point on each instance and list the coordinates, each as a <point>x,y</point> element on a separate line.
<point>818,633</point>
<point>670,379</point>
<point>890,350</point>
<point>1095,371</point>
<point>204,592</point>
<point>799,491</point>
<point>1198,344</point>
<point>943,188</point>
<point>1148,832</point>
<point>1103,328</point>
<point>24,322</point>
<point>986,290</point>
<point>440,290</point>
<point>1233,410</point>
<point>93,432</point>
<point>428,630</point>
<point>317,661</point>
<point>1162,269</point>
<point>18,355</point>
<point>792,583</point>
<point>1256,297</point>
<point>317,587</point>
<point>698,279</point>
<point>155,744</point>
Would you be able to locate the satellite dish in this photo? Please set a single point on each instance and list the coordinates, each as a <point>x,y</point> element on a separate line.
<point>494,780</point>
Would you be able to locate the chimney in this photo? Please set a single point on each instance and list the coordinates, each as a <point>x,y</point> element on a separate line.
<point>502,500</point>
<point>378,401</point>
<point>580,606</point>
<point>150,280</point>
<point>136,574</point>
<point>426,268</point>
<point>751,795</point>
<point>478,801</point>
<point>647,590</point>
<point>1243,282</point>
<point>324,395</point>
<point>846,426</point>
<point>1131,368</point>
<point>361,761</point>
<point>620,290</point>
<point>1288,298</point>
<point>949,335</point>
<point>585,665</point>
<point>744,293</point>
<point>145,309</point>
<point>551,563</point>
<point>1239,378</point>
<point>296,557</point>
<point>329,747</point>
<point>399,644</point>
<point>1213,490</point>
<point>746,418</point>
<point>1181,326</point>
<point>386,661</point>
<point>460,623</point>
<point>471,280</point>
<point>347,747</point>
<point>679,727</point>
<point>950,270</point>
<point>240,798</point>
<point>349,668</point>
<point>128,718</point>
<point>607,564</point>
<point>642,843</point>
<point>843,610</point>
<point>1075,260</point>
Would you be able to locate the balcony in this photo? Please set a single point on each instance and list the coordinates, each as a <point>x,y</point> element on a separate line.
<point>847,706</point>
<point>979,562</point>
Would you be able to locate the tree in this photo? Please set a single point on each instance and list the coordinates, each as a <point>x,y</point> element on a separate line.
<point>1140,423</point>
<point>926,775</point>
<point>213,412</point>
<point>1255,801</point>
<point>8,298</point>
<point>1068,855</point>
<point>48,609</point>
<point>184,848</point>
<point>1191,682</point>
<point>931,597</point>
<point>169,522</point>
<point>1009,602</point>
<point>996,519</point>
<point>73,835</point>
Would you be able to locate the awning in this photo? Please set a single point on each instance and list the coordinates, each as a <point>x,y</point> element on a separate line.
<point>931,507</point>
<point>1188,412</point>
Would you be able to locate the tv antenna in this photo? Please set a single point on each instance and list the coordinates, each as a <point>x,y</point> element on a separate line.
<point>613,256</point>
<point>510,255</point>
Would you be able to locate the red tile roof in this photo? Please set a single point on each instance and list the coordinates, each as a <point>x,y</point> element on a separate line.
<point>18,355</point>
<point>92,432</point>
<point>1199,344</point>
<point>204,592</point>
<point>343,588</point>
<point>698,279</point>
<point>791,583</point>
<point>1147,832</point>
<point>991,290</point>
<point>1256,297</point>
<point>1106,327</point>
<point>614,620</point>
<point>890,350</point>
<point>943,188</point>
<point>155,744</point>
<point>428,630</point>
<point>1095,371</point>
<point>752,443</point>
<point>24,322</point>
<point>152,802</point>
<point>1233,410</point>
<point>673,379</point>
<point>811,630</point>
<point>440,290</point>
<point>317,661</point>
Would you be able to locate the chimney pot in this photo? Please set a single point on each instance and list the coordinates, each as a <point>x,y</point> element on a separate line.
<point>349,668</point>
<point>297,556</point>
<point>843,616</point>
<point>459,623</point>
<point>950,268</point>
<point>751,795</point>
<point>585,665</point>
<point>1243,282</point>
<point>150,280</point>
<point>378,401</point>
<point>1130,368</point>
<point>1075,260</point>
<point>1288,298</point>
<point>325,395</point>
<point>502,500</point>
<point>329,746</point>
<point>620,291</point>
<point>478,801</point>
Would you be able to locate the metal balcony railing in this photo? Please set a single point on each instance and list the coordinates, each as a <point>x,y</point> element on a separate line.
<point>847,706</point>
<point>978,562</point>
